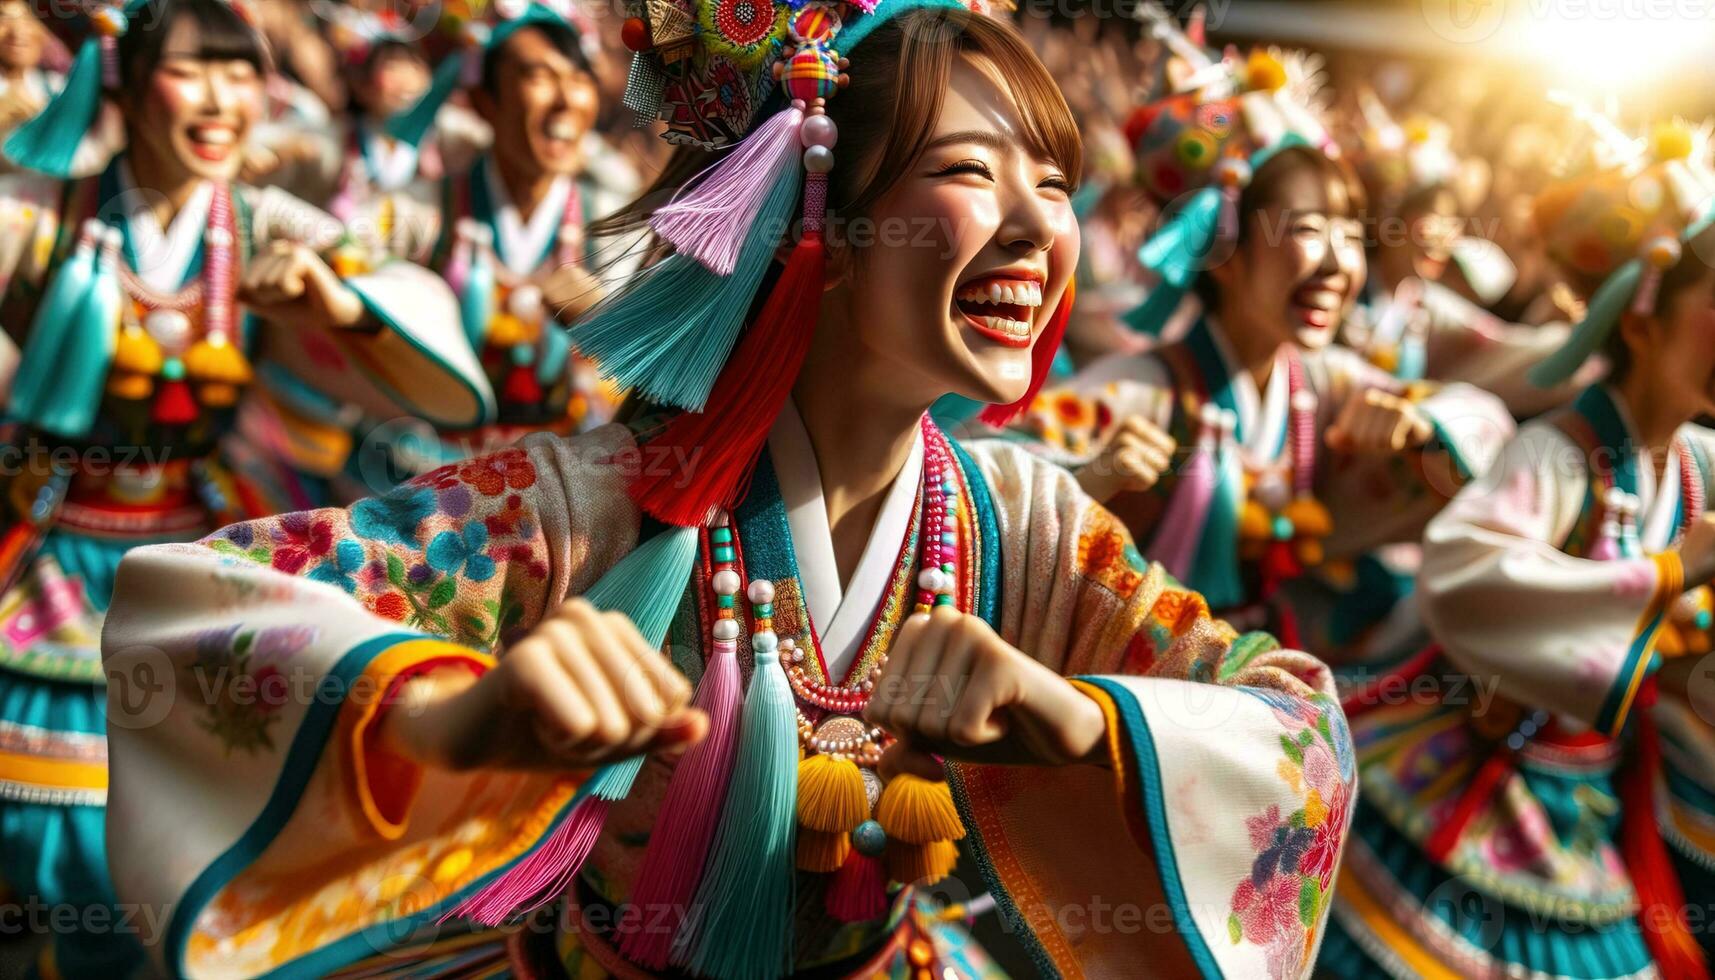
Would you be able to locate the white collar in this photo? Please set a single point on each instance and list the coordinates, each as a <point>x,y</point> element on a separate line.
<point>1262,417</point>
<point>1656,526</point>
<point>394,162</point>
<point>842,616</point>
<point>521,245</point>
<point>163,257</point>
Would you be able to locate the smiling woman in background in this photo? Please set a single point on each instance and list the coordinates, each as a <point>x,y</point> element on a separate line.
<point>128,293</point>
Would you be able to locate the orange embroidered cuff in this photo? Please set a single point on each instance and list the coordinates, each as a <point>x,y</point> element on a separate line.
<point>385,785</point>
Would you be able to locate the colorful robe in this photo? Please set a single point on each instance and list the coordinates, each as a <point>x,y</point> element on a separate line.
<point>1221,820</point>
<point>74,506</point>
<point>1503,780</point>
<point>1351,600</point>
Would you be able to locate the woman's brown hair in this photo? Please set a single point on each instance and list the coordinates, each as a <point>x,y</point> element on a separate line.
<point>887,114</point>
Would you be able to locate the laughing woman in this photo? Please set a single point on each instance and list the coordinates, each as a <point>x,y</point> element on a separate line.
<point>857,597</point>
<point>124,291</point>
<point>1567,827</point>
<point>1302,457</point>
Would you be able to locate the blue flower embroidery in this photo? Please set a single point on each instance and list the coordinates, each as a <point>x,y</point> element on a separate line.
<point>345,561</point>
<point>452,551</point>
<point>393,517</point>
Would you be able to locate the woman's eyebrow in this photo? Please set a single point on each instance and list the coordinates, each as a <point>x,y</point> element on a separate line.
<point>982,137</point>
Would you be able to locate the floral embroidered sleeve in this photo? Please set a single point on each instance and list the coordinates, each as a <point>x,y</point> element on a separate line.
<point>1232,770</point>
<point>249,670</point>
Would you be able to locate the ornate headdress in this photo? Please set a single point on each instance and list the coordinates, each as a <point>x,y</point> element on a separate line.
<point>1398,159</point>
<point>1197,149</point>
<point>1627,221</point>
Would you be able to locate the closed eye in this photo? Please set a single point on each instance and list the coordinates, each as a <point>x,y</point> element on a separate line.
<point>976,167</point>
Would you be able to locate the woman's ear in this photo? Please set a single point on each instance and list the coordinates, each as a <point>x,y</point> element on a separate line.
<point>838,267</point>
<point>1635,329</point>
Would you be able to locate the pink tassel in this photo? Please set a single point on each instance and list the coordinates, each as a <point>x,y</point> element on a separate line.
<point>543,875</point>
<point>1643,304</point>
<point>711,223</point>
<point>1182,525</point>
<point>858,892</point>
<point>685,826</point>
<point>458,263</point>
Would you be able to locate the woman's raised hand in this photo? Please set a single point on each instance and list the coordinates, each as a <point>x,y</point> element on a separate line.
<point>1377,421</point>
<point>1137,455</point>
<point>582,689</point>
<point>952,687</point>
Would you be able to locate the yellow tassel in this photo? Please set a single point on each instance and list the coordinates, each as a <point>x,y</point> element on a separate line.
<point>920,863</point>
<point>130,386</point>
<point>1311,519</point>
<point>506,330</point>
<point>219,368</point>
<point>137,352</point>
<point>822,852</point>
<point>1668,642</point>
<point>831,796</point>
<point>1310,552</point>
<point>1255,522</point>
<point>914,810</point>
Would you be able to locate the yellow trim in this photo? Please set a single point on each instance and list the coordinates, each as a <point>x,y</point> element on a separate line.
<point>1110,714</point>
<point>1691,824</point>
<point>1669,583</point>
<point>1350,892</point>
<point>15,767</point>
<point>376,678</point>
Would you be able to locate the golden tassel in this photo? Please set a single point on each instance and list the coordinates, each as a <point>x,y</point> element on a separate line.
<point>1309,517</point>
<point>1255,523</point>
<point>831,796</point>
<point>920,863</point>
<point>917,811</point>
<point>822,851</point>
<point>219,368</point>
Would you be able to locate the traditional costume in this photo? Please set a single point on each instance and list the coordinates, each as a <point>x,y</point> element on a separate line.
<point>1259,501</point>
<point>1419,328</point>
<point>133,356</point>
<point>1540,816</point>
<point>769,846</point>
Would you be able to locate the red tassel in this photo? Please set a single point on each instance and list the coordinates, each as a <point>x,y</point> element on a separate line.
<point>174,404</point>
<point>1279,565</point>
<point>1477,792</point>
<point>1661,901</point>
<point>858,891</point>
<point>1041,361</point>
<point>521,387</point>
<point>720,444</point>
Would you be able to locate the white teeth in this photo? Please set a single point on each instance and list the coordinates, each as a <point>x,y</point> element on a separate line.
<point>217,135</point>
<point>1016,293</point>
<point>561,129</point>
<point>1016,328</point>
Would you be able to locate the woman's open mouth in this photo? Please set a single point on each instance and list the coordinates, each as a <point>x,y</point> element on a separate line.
<point>212,142</point>
<point>1001,308</point>
<point>1317,305</point>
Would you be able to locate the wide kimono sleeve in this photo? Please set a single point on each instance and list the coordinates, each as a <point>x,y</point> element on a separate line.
<point>416,363</point>
<point>1381,498</point>
<point>1551,630</point>
<point>1210,846</point>
<point>1468,343</point>
<point>246,675</point>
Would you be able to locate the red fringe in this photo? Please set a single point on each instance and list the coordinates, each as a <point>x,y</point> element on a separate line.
<point>720,444</point>
<point>174,404</point>
<point>1661,901</point>
<point>858,891</point>
<point>521,387</point>
<point>1041,361</point>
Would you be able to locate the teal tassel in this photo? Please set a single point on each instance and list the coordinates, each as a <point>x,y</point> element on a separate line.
<point>1150,316</point>
<point>411,125</point>
<point>65,359</point>
<point>1215,572</point>
<point>556,350</point>
<point>668,336</point>
<point>1178,249</point>
<point>476,303</point>
<point>740,924</point>
<point>1413,359</point>
<point>49,142</point>
<point>647,585</point>
<point>1606,306</point>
